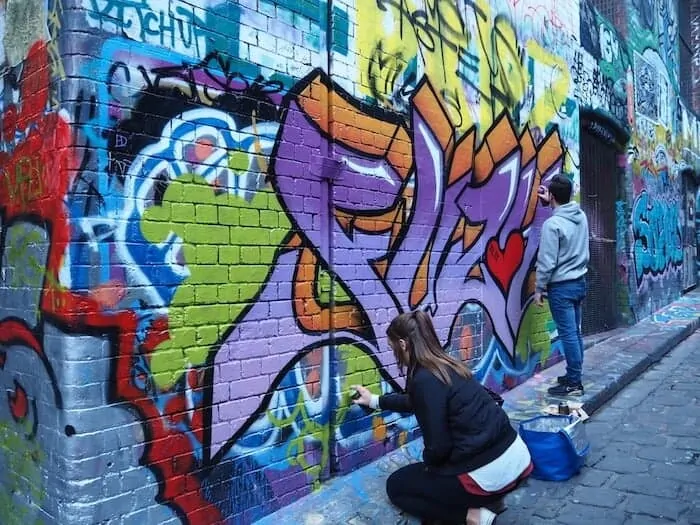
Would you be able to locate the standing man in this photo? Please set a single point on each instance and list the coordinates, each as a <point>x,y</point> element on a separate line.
<point>562,264</point>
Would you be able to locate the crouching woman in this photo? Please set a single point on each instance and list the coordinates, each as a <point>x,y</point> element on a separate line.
<point>472,455</point>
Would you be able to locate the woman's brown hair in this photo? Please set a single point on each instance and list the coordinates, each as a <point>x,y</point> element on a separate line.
<point>423,346</point>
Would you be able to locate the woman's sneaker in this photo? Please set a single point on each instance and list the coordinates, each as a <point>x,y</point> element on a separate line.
<point>486,517</point>
<point>497,507</point>
<point>566,389</point>
<point>482,516</point>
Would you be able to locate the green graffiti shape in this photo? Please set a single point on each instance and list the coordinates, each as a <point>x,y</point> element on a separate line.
<point>360,369</point>
<point>308,430</point>
<point>322,290</point>
<point>533,336</point>
<point>21,476</point>
<point>28,270</point>
<point>228,247</point>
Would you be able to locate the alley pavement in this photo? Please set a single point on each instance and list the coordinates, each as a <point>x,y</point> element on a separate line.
<point>642,388</point>
<point>644,464</point>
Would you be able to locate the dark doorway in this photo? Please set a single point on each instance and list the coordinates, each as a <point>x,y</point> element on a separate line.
<point>599,189</point>
<point>690,248</point>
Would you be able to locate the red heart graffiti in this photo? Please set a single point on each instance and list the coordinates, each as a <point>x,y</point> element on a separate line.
<point>503,264</point>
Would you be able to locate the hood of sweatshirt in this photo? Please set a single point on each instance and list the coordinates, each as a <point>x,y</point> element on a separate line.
<point>570,211</point>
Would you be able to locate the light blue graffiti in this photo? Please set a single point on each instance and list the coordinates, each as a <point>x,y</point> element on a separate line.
<point>658,246</point>
<point>180,26</point>
<point>621,225</point>
<point>314,13</point>
<point>98,232</point>
<point>496,370</point>
<point>170,24</point>
<point>235,27</point>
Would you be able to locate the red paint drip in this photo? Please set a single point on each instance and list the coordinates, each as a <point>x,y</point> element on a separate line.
<point>35,181</point>
<point>19,405</point>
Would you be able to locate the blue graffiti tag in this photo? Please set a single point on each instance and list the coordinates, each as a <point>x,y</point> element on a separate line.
<point>658,246</point>
<point>620,225</point>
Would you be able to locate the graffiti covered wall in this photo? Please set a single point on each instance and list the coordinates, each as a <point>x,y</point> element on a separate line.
<point>635,83</point>
<point>664,144</point>
<point>602,67</point>
<point>212,210</point>
<point>60,431</point>
<point>603,77</point>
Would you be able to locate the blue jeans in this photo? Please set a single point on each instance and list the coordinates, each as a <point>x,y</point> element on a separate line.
<point>565,300</point>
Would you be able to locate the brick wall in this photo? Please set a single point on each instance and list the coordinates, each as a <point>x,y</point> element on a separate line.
<point>211,210</point>
<point>615,11</point>
<point>665,142</point>
<point>694,45</point>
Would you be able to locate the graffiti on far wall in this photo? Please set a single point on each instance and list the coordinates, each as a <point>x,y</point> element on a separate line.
<point>646,88</point>
<point>695,47</point>
<point>600,68</point>
<point>658,247</point>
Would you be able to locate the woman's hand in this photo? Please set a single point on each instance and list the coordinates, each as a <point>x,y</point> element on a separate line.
<point>363,396</point>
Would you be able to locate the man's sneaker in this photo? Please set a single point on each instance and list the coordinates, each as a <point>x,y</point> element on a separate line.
<point>567,389</point>
<point>562,380</point>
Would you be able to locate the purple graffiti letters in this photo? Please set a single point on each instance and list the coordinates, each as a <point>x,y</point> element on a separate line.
<point>418,218</point>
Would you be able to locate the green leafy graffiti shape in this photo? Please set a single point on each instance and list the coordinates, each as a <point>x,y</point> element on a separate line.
<point>359,369</point>
<point>28,270</point>
<point>228,248</point>
<point>533,336</point>
<point>309,429</point>
<point>22,475</point>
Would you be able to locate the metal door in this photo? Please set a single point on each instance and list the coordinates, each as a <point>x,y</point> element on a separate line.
<point>599,187</point>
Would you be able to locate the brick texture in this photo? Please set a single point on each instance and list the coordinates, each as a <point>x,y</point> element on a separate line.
<point>210,211</point>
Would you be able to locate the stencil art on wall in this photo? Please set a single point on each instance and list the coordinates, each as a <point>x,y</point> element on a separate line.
<point>646,88</point>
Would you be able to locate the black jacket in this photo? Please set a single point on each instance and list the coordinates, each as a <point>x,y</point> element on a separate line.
<point>463,428</point>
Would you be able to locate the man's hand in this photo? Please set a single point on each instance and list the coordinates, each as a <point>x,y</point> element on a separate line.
<point>543,194</point>
<point>539,299</point>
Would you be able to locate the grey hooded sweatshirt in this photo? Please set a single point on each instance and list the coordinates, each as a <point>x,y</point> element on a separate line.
<point>563,253</point>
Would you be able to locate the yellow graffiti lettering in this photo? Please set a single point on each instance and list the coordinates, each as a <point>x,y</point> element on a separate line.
<point>557,82</point>
<point>396,33</point>
<point>55,25</point>
<point>474,60</point>
<point>509,78</point>
<point>23,180</point>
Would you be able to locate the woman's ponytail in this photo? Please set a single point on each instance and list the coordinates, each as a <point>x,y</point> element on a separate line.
<point>424,347</point>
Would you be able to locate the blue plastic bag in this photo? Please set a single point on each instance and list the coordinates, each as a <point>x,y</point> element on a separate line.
<point>557,444</point>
